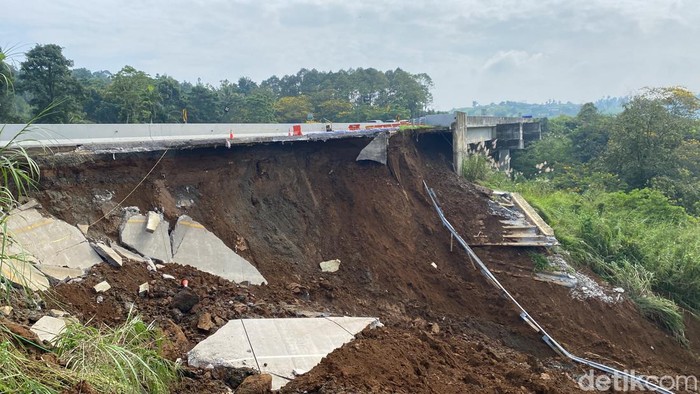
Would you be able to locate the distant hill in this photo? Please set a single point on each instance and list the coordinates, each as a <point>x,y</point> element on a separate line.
<point>550,109</point>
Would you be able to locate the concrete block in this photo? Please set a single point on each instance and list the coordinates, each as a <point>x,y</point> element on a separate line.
<point>109,254</point>
<point>194,245</point>
<point>152,221</point>
<point>51,241</point>
<point>60,273</point>
<point>155,245</point>
<point>102,287</point>
<point>144,288</point>
<point>280,345</point>
<point>330,265</point>
<point>48,328</point>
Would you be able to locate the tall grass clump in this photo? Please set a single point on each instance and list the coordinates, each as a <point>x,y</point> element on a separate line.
<point>638,240</point>
<point>22,374</point>
<point>125,359</point>
<point>479,165</point>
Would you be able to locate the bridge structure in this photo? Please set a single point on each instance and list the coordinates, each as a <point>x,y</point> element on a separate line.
<point>499,134</point>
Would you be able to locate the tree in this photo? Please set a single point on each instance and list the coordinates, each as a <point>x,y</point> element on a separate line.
<point>134,93</point>
<point>642,141</point>
<point>7,90</point>
<point>293,109</point>
<point>258,107</point>
<point>590,134</point>
<point>203,105</point>
<point>46,77</point>
<point>168,108</point>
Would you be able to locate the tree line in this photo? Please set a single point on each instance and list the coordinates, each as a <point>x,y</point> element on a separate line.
<point>653,143</point>
<point>47,79</point>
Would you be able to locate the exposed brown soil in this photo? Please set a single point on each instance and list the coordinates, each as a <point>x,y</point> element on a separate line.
<point>288,207</point>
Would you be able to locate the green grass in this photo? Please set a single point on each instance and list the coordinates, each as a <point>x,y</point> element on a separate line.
<point>125,359</point>
<point>540,262</point>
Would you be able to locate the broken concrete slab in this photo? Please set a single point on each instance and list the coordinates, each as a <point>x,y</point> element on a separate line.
<point>48,328</point>
<point>51,241</point>
<point>194,245</point>
<point>155,245</point>
<point>102,287</point>
<point>144,288</point>
<point>127,254</point>
<point>31,203</point>
<point>330,265</point>
<point>109,254</point>
<point>19,268</point>
<point>152,221</point>
<point>60,273</point>
<point>375,150</point>
<point>280,346</point>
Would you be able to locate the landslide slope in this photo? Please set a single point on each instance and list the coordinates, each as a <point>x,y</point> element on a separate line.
<point>287,207</point>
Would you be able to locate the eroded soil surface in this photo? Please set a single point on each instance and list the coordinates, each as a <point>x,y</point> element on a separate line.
<point>288,207</point>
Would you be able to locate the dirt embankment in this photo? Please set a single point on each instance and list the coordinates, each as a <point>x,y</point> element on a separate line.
<point>288,207</point>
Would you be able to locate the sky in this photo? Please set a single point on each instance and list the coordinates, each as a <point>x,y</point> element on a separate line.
<point>484,51</point>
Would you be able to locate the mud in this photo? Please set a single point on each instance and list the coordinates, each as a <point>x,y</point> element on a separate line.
<point>288,207</point>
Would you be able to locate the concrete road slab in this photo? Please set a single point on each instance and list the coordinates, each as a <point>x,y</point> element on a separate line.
<point>60,273</point>
<point>194,245</point>
<point>19,268</point>
<point>375,150</point>
<point>155,245</point>
<point>51,241</point>
<point>285,345</point>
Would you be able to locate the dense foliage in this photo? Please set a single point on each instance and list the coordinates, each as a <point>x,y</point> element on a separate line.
<point>133,96</point>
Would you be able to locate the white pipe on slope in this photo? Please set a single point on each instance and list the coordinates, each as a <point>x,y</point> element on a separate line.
<point>526,316</point>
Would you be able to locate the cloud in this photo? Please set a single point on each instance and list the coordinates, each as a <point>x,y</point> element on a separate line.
<point>473,49</point>
<point>511,61</point>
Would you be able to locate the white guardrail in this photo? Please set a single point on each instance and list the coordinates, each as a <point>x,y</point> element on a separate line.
<point>84,134</point>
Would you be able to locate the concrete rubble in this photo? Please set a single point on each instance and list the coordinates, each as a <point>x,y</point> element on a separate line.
<point>276,346</point>
<point>52,241</point>
<point>109,254</point>
<point>60,273</point>
<point>127,254</point>
<point>330,265</point>
<point>144,288</point>
<point>102,287</point>
<point>155,245</point>
<point>152,221</point>
<point>194,245</point>
<point>48,328</point>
